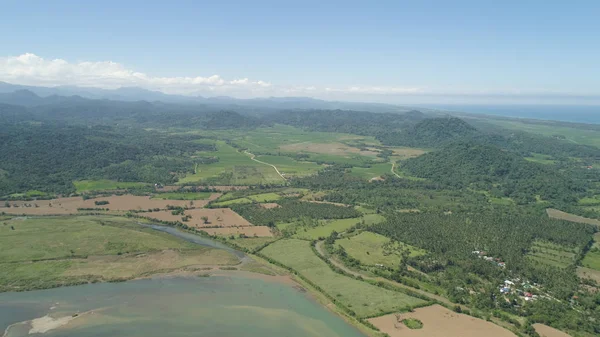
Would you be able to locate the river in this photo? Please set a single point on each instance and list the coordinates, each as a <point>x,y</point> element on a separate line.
<point>230,305</point>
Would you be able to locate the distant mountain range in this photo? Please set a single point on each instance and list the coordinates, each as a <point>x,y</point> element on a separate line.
<point>37,95</point>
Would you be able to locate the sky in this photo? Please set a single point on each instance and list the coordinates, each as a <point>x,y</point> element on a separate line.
<point>382,51</point>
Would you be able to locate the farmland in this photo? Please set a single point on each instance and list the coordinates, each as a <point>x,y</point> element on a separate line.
<point>326,227</point>
<point>104,185</point>
<point>183,196</point>
<point>552,254</point>
<point>438,322</point>
<point>363,298</point>
<point>371,249</point>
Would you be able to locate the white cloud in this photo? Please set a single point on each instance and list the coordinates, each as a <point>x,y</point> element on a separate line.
<point>31,69</point>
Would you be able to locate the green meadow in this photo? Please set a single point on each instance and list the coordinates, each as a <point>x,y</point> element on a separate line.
<point>104,185</point>
<point>364,299</point>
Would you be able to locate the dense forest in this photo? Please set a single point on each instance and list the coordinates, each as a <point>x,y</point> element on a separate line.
<point>50,157</point>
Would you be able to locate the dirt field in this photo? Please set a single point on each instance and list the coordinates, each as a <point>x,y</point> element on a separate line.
<point>584,272</point>
<point>327,148</point>
<point>70,205</point>
<point>65,206</point>
<point>439,322</point>
<point>406,152</point>
<point>546,331</point>
<point>269,205</point>
<point>217,217</point>
<point>556,214</point>
<point>172,188</point>
<point>260,231</point>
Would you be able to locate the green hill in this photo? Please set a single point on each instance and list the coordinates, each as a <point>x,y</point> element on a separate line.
<point>431,132</point>
<point>487,167</point>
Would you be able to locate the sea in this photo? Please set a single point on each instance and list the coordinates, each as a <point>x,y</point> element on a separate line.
<point>589,114</point>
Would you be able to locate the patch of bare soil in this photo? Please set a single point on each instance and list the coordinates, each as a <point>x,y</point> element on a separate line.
<point>269,205</point>
<point>406,152</point>
<point>556,214</point>
<point>259,231</point>
<point>438,322</point>
<point>327,148</point>
<point>203,217</point>
<point>547,331</point>
<point>584,272</point>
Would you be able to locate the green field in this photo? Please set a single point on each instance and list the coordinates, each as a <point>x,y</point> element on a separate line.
<point>103,185</point>
<point>363,298</point>
<point>263,197</point>
<point>540,158</point>
<point>251,243</point>
<point>182,196</point>
<point>592,257</point>
<point>52,251</point>
<point>371,249</point>
<point>290,167</point>
<point>571,134</point>
<point>328,226</point>
<point>233,168</point>
<point>375,170</point>
<point>551,254</point>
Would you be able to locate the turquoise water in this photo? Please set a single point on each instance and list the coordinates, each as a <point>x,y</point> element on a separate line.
<point>183,306</point>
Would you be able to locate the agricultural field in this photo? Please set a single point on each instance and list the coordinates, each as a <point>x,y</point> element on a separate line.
<point>592,257</point>
<point>573,135</point>
<point>202,217</point>
<point>376,170</point>
<point>71,205</point>
<point>251,243</point>
<point>290,167</point>
<point>540,158</point>
<point>260,198</point>
<point>334,149</point>
<point>548,331</point>
<point>438,321</point>
<point>326,227</point>
<point>184,196</point>
<point>364,299</point>
<point>104,185</point>
<point>233,168</point>
<point>552,254</point>
<point>48,251</point>
<point>556,214</point>
<point>371,249</point>
<point>239,231</point>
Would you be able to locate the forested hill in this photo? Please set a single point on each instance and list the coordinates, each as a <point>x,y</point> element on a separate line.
<point>431,132</point>
<point>486,167</point>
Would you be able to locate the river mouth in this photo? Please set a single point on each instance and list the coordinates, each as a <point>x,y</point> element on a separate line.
<point>171,306</point>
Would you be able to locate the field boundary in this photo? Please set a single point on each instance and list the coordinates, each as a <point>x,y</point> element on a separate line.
<point>252,157</point>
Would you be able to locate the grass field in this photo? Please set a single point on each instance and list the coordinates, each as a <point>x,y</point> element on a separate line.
<point>49,251</point>
<point>251,243</point>
<point>371,249</point>
<point>182,196</point>
<point>592,257</point>
<point>375,170</point>
<point>540,158</point>
<point>103,185</point>
<point>556,214</point>
<point>328,226</point>
<point>574,135</point>
<point>233,168</point>
<point>263,197</point>
<point>365,299</point>
<point>551,254</point>
<point>290,167</point>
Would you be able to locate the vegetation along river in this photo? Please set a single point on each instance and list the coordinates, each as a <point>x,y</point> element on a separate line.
<point>171,306</point>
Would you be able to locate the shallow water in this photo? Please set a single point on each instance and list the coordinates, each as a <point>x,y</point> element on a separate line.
<point>181,306</point>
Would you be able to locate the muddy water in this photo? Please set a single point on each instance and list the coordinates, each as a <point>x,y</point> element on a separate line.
<point>216,306</point>
<point>191,306</point>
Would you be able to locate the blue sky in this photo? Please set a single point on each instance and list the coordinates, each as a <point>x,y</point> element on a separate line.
<point>389,51</point>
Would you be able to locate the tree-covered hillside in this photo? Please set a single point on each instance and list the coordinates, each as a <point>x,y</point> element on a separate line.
<point>485,167</point>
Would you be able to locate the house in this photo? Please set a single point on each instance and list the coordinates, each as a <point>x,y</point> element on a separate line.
<point>528,294</point>
<point>509,283</point>
<point>505,290</point>
<point>501,264</point>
